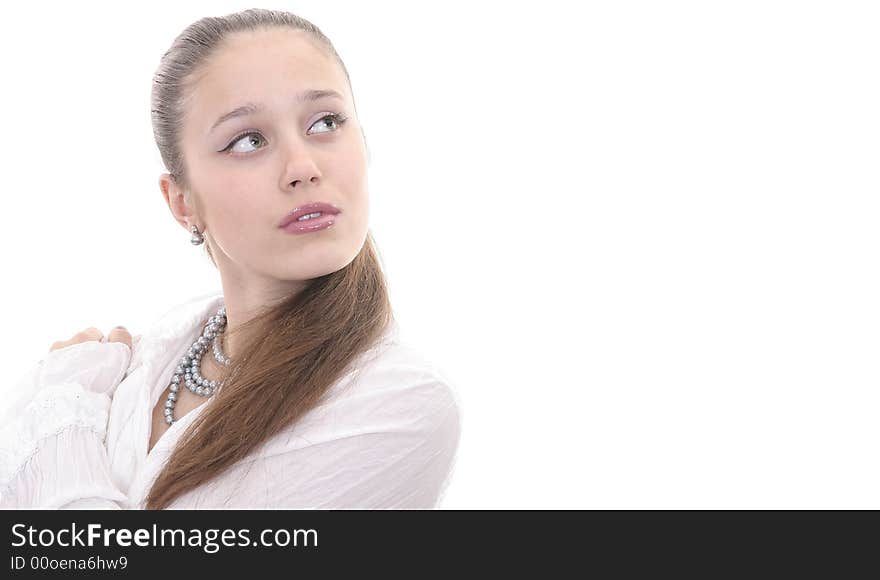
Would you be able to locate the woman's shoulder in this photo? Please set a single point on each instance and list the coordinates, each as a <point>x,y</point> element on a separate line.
<point>394,392</point>
<point>398,381</point>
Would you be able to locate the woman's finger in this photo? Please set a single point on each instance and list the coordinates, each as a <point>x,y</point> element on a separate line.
<point>91,333</point>
<point>120,334</point>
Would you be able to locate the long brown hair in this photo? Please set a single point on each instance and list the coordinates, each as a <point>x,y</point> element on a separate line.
<point>304,343</point>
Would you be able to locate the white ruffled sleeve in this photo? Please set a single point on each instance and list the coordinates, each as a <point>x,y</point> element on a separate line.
<point>52,452</point>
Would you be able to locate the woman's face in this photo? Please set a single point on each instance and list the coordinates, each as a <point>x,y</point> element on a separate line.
<point>249,171</point>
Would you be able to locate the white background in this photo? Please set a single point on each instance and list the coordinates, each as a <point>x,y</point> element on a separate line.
<point>640,237</point>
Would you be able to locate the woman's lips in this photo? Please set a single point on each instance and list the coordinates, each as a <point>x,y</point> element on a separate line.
<point>307,208</point>
<point>321,222</point>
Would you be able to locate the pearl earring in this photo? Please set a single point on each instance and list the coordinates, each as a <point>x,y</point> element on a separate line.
<point>197,238</point>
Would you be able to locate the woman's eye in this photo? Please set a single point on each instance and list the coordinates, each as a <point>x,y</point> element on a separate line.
<point>246,138</point>
<point>333,119</point>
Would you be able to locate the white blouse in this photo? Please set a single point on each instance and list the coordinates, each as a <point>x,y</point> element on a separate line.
<point>76,428</point>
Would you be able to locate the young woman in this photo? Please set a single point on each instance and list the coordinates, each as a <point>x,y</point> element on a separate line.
<point>288,389</point>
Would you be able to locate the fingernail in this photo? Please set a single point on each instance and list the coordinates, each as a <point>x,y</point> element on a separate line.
<point>122,327</point>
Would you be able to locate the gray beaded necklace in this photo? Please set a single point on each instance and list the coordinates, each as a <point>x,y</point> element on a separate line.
<point>188,367</point>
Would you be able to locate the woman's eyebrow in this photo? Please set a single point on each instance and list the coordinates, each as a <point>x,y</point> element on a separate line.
<point>250,108</point>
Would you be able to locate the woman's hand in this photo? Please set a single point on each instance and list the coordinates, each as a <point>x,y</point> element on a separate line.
<point>97,367</point>
<point>118,334</point>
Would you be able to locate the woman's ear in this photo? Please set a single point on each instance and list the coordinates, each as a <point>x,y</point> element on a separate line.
<point>175,199</point>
